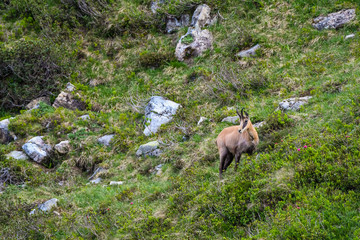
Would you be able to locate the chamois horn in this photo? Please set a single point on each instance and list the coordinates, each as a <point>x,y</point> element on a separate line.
<point>237,111</point>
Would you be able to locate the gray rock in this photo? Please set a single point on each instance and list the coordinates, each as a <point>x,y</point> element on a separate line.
<point>70,87</point>
<point>259,124</point>
<point>202,119</point>
<point>97,172</point>
<point>67,100</point>
<point>249,52</point>
<point>350,36</point>
<point>202,40</point>
<point>5,135</point>
<point>17,155</point>
<point>149,149</point>
<point>155,5</point>
<point>63,147</point>
<point>85,117</point>
<point>293,104</point>
<point>34,104</point>
<point>116,183</point>
<point>173,23</point>
<point>106,140</point>
<point>158,169</point>
<point>334,20</point>
<point>46,206</point>
<point>234,120</point>
<point>159,111</point>
<point>96,181</point>
<point>201,16</point>
<point>37,150</point>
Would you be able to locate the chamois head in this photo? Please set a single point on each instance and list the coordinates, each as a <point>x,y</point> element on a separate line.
<point>244,120</point>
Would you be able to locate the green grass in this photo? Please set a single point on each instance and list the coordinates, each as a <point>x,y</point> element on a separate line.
<point>284,191</point>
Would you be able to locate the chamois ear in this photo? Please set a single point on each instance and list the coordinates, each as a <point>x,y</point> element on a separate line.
<point>247,115</point>
<point>242,112</point>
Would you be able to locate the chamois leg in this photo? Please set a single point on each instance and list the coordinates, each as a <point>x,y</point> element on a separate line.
<point>229,160</point>
<point>237,160</point>
<point>223,156</point>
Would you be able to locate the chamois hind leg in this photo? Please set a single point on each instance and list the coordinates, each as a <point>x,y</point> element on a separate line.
<point>229,160</point>
<point>237,160</point>
<point>223,157</point>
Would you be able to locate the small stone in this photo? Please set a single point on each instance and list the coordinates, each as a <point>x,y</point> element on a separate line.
<point>46,206</point>
<point>293,104</point>
<point>34,104</point>
<point>63,147</point>
<point>5,135</point>
<point>233,119</point>
<point>85,117</point>
<point>350,36</point>
<point>96,181</point>
<point>37,150</point>
<point>70,87</point>
<point>116,183</point>
<point>106,140</point>
<point>202,119</point>
<point>250,52</point>
<point>259,124</point>
<point>17,155</point>
<point>67,100</point>
<point>334,20</point>
<point>97,172</point>
<point>149,149</point>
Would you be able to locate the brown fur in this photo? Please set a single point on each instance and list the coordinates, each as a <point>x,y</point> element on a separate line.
<point>234,141</point>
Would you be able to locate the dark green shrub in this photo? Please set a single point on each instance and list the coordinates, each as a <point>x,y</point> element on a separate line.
<point>155,59</point>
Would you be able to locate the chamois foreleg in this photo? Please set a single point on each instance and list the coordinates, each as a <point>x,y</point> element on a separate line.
<point>237,160</point>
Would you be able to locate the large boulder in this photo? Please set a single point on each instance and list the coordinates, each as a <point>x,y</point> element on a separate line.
<point>149,149</point>
<point>334,20</point>
<point>293,104</point>
<point>5,135</point>
<point>106,140</point>
<point>249,52</point>
<point>17,155</point>
<point>173,23</point>
<point>159,111</point>
<point>193,43</point>
<point>67,100</point>
<point>201,16</point>
<point>36,103</point>
<point>37,149</point>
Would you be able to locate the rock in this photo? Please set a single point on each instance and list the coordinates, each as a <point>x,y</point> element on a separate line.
<point>70,87</point>
<point>105,140</point>
<point>201,16</point>
<point>149,149</point>
<point>5,135</point>
<point>34,104</point>
<point>293,104</point>
<point>97,172</point>
<point>158,170</point>
<point>249,52</point>
<point>159,111</point>
<point>94,82</point>
<point>155,5</point>
<point>193,43</point>
<point>234,119</point>
<point>96,181</point>
<point>259,124</point>
<point>350,36</point>
<point>334,20</point>
<point>173,24</point>
<point>116,183</point>
<point>17,155</point>
<point>63,147</point>
<point>67,100</point>
<point>46,206</point>
<point>85,117</point>
<point>202,119</point>
<point>37,150</point>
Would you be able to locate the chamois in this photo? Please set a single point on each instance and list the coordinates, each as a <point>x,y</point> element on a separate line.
<point>236,140</point>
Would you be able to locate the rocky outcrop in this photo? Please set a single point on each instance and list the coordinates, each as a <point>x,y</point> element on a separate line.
<point>36,103</point>
<point>5,135</point>
<point>293,104</point>
<point>250,52</point>
<point>37,150</point>
<point>46,206</point>
<point>63,147</point>
<point>149,149</point>
<point>193,43</point>
<point>67,100</point>
<point>159,111</point>
<point>201,16</point>
<point>17,155</point>
<point>173,23</point>
<point>233,119</point>
<point>106,140</point>
<point>334,20</point>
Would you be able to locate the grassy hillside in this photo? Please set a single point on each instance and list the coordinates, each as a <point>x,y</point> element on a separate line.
<point>302,183</point>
